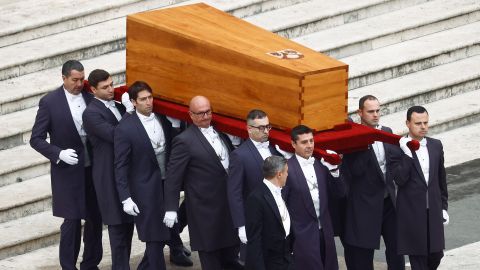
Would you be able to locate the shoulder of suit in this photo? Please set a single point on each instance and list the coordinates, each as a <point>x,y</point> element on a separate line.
<point>433,141</point>
<point>53,94</point>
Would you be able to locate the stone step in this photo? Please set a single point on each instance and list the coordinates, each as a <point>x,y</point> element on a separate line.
<point>437,83</point>
<point>299,20</point>
<point>460,145</point>
<point>446,114</point>
<point>25,198</point>
<point>16,127</point>
<point>245,8</point>
<point>21,163</point>
<point>413,55</point>
<point>25,91</point>
<point>81,43</point>
<point>28,233</point>
<point>30,19</point>
<point>393,27</point>
<point>47,258</point>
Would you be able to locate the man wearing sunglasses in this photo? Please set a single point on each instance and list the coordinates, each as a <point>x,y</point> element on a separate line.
<point>245,169</point>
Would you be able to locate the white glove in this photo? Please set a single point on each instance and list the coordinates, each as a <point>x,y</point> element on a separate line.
<point>236,141</point>
<point>446,217</point>
<point>68,156</point>
<point>285,154</point>
<point>175,122</point>
<point>130,207</point>
<point>242,234</point>
<point>403,145</point>
<point>170,218</point>
<point>127,103</point>
<point>332,168</point>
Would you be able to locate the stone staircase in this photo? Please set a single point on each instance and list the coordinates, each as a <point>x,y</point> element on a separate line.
<point>404,52</point>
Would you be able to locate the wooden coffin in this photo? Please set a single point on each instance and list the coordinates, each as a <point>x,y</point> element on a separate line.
<point>199,50</point>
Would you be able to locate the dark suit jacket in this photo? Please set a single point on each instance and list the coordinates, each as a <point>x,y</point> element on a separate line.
<point>412,196</point>
<point>138,175</point>
<point>100,123</point>
<point>267,247</point>
<point>244,175</point>
<point>366,191</point>
<point>195,164</point>
<point>305,222</point>
<point>68,181</point>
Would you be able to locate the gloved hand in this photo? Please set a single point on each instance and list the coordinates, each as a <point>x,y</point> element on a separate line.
<point>127,103</point>
<point>332,168</point>
<point>445,217</point>
<point>285,154</point>
<point>175,122</point>
<point>68,156</point>
<point>403,145</point>
<point>130,207</point>
<point>170,218</point>
<point>242,234</point>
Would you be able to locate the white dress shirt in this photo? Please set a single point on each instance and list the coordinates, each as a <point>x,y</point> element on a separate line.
<point>282,207</point>
<point>379,150</point>
<point>77,105</point>
<point>220,149</point>
<point>262,148</point>
<point>154,130</point>
<point>311,177</point>
<point>424,159</point>
<point>111,106</point>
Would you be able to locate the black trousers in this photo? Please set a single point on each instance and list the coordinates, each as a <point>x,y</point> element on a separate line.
<point>426,262</point>
<point>153,258</point>
<point>121,245</point>
<point>71,229</point>
<point>219,259</point>
<point>175,243</point>
<point>362,258</point>
<point>322,247</point>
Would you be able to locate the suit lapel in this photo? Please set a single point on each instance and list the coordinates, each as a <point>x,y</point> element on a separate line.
<point>267,194</point>
<point>305,191</point>
<point>322,192</point>
<point>431,157</point>
<point>63,104</point>
<point>105,111</point>
<point>256,155</point>
<point>375,161</point>
<point>418,167</point>
<point>144,139</point>
<point>207,146</point>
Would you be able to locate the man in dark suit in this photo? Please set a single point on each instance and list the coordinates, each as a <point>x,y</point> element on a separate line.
<point>199,162</point>
<point>178,253</point>
<point>100,119</point>
<point>268,224</point>
<point>422,198</point>
<point>370,204</point>
<point>245,168</point>
<point>141,152</point>
<point>73,195</point>
<point>309,184</point>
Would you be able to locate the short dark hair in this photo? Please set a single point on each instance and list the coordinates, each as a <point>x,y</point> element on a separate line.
<point>137,87</point>
<point>298,130</point>
<point>361,102</point>
<point>71,65</point>
<point>256,114</point>
<point>415,109</point>
<point>272,165</point>
<point>96,76</point>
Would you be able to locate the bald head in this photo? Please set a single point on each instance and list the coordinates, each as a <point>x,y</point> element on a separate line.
<point>200,111</point>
